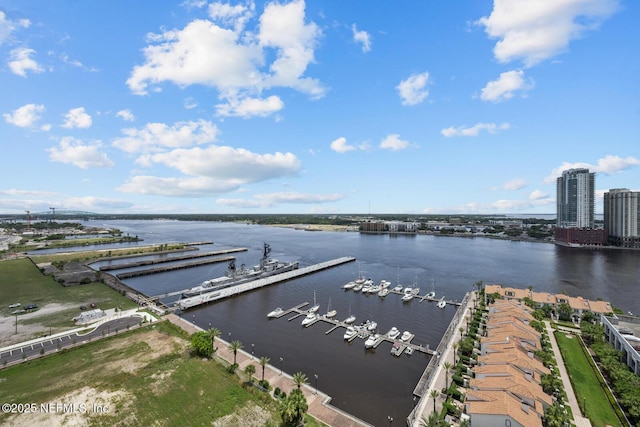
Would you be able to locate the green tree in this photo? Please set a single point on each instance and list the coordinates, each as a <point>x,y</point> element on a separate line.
<point>264,361</point>
<point>235,346</point>
<point>434,395</point>
<point>201,344</point>
<point>555,416</point>
<point>299,379</point>
<point>250,370</point>
<point>447,369</point>
<point>564,312</point>
<point>433,420</point>
<point>214,332</point>
<point>293,408</point>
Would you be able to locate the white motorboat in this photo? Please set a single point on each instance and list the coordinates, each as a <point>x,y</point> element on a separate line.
<point>408,290</point>
<point>348,285</point>
<point>315,307</point>
<point>383,292</point>
<point>330,313</point>
<point>406,336</point>
<point>367,286</point>
<point>309,319</point>
<point>371,341</point>
<point>384,284</point>
<point>275,313</point>
<point>431,294</point>
<point>374,289</point>
<point>407,297</point>
<point>397,288</point>
<point>370,325</point>
<point>442,303</point>
<point>415,290</point>
<point>350,333</point>
<point>358,287</point>
<point>350,319</point>
<point>393,333</point>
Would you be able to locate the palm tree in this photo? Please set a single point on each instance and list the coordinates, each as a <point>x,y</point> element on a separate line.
<point>434,395</point>
<point>455,350</point>
<point>299,379</point>
<point>235,346</point>
<point>447,368</point>
<point>264,361</point>
<point>214,332</point>
<point>293,408</point>
<point>433,421</point>
<point>250,370</point>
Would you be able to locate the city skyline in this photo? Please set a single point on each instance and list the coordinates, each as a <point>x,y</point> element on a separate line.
<point>293,107</point>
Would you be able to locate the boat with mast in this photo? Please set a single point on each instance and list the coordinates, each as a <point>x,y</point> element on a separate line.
<point>315,307</point>
<point>330,313</point>
<point>234,276</point>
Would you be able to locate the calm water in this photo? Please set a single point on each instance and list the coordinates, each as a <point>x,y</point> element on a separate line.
<point>372,384</point>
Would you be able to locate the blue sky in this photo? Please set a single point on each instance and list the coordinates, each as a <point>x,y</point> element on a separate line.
<point>416,107</point>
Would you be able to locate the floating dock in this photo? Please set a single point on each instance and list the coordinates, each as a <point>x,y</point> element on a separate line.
<point>181,266</point>
<point>396,343</point>
<point>186,303</point>
<point>146,262</point>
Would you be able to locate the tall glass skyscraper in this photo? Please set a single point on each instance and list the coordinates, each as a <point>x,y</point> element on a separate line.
<point>576,199</point>
<point>622,217</point>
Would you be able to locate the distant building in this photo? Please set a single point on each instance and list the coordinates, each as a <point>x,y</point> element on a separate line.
<point>576,209</point>
<point>622,217</point>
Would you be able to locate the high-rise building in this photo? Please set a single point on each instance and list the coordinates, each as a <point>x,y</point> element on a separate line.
<point>622,217</point>
<point>575,224</point>
<point>576,199</point>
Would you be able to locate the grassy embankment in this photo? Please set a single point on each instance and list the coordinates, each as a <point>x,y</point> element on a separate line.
<point>21,281</point>
<point>144,377</point>
<point>585,383</point>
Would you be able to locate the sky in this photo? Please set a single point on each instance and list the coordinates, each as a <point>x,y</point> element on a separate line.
<point>360,106</point>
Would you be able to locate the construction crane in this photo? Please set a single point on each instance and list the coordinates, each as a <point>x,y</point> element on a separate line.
<point>28,220</point>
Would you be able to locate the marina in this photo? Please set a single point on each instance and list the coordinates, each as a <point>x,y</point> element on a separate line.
<point>406,294</point>
<point>372,339</point>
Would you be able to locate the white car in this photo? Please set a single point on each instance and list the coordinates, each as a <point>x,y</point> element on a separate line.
<point>14,305</point>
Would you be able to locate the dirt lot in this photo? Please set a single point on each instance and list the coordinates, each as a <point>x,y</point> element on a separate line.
<point>27,332</point>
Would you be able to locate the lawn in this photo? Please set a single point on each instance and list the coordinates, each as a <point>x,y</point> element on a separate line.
<point>22,282</point>
<point>585,383</point>
<point>144,377</point>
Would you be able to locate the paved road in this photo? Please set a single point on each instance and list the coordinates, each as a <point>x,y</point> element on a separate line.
<point>67,340</point>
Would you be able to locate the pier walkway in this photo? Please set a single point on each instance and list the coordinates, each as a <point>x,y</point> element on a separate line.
<point>155,261</point>
<point>186,303</point>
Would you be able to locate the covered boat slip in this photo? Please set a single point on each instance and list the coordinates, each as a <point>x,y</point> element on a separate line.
<point>186,303</point>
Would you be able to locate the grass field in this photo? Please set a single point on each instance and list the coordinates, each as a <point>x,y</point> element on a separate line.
<point>585,383</point>
<point>22,282</point>
<point>143,377</point>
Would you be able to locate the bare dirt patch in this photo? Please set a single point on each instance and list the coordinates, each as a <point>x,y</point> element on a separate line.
<point>77,409</point>
<point>250,415</point>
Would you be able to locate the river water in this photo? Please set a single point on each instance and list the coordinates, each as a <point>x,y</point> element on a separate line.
<point>371,384</point>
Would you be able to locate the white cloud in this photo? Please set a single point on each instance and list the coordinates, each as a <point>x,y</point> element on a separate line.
<point>76,153</point>
<point>240,63</point>
<point>126,115</point>
<point>505,87</point>
<point>271,199</point>
<point>393,142</point>
<point>155,137</point>
<point>474,130</point>
<point>538,195</point>
<point>7,26</point>
<point>211,170</point>
<point>361,37</point>
<point>608,165</point>
<point>250,107</point>
<point>413,90</point>
<point>190,103</point>
<point>534,31</point>
<point>340,145</point>
<point>25,116</point>
<point>514,184</point>
<point>21,62</point>
<point>77,118</point>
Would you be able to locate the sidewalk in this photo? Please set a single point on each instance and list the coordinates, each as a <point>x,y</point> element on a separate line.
<point>571,397</point>
<point>319,406</point>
